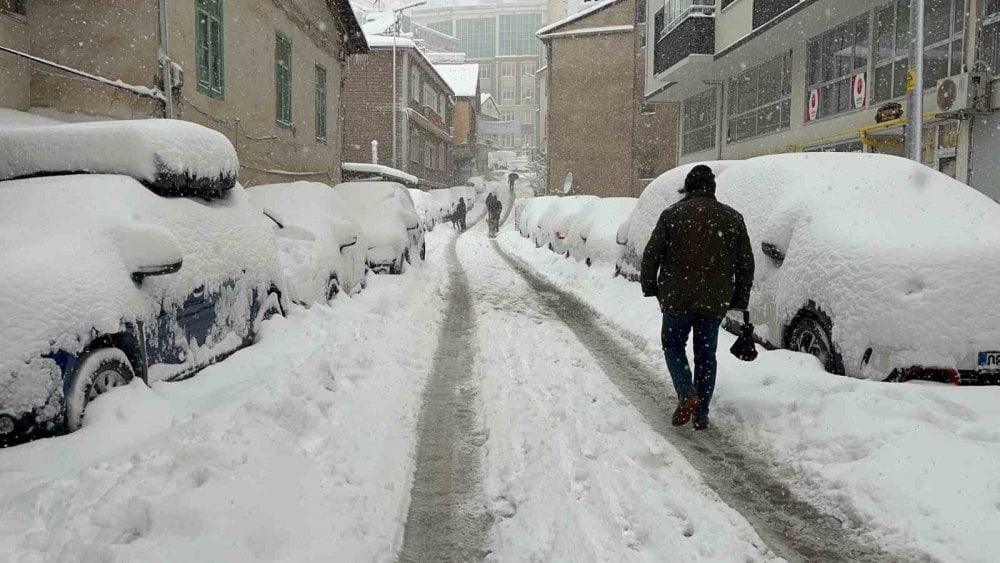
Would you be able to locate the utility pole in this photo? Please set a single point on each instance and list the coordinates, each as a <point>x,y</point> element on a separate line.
<point>397,15</point>
<point>165,65</point>
<point>915,83</point>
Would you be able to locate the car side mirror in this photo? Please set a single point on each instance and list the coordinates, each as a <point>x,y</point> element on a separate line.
<point>773,252</point>
<point>149,250</point>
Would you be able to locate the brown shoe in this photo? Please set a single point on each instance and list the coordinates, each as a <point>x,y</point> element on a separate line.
<point>685,409</point>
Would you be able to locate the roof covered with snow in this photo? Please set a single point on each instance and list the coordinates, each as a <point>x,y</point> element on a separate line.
<point>463,79</point>
<point>577,16</point>
<point>378,169</point>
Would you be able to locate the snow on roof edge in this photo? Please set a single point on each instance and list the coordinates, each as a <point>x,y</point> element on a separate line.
<point>379,169</point>
<point>579,15</point>
<point>588,31</point>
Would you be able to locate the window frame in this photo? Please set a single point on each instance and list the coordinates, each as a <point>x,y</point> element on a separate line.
<point>505,66</point>
<point>709,124</point>
<point>832,78</point>
<point>320,102</point>
<point>213,66</point>
<point>283,111</point>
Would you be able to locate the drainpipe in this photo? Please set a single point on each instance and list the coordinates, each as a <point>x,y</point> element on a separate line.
<point>165,65</point>
<point>963,168</point>
<point>915,109</point>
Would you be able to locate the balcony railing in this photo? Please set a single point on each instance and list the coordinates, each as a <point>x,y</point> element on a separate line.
<point>688,36</point>
<point>676,11</point>
<point>764,12</point>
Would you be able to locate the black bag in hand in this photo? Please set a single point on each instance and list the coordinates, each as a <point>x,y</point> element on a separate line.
<point>744,348</point>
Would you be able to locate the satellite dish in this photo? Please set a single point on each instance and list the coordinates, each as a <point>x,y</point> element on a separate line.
<point>568,183</point>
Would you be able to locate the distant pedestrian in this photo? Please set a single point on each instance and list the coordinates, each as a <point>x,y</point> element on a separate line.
<point>699,265</point>
<point>494,208</point>
<point>460,214</point>
<point>512,178</point>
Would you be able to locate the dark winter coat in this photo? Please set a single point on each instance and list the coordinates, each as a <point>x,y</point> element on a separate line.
<point>460,209</point>
<point>699,258</point>
<point>494,205</point>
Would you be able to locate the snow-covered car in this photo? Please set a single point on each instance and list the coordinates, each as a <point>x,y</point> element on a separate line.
<point>593,233</point>
<point>131,272</point>
<point>878,266</point>
<point>389,221</point>
<point>426,207</point>
<point>553,226</point>
<point>527,223</point>
<point>442,205</point>
<point>322,249</point>
<point>660,194</point>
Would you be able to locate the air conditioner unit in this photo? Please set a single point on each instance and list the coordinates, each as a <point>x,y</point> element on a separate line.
<point>964,94</point>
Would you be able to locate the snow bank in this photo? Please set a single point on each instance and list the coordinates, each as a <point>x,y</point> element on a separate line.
<point>593,234</point>
<point>294,449</point>
<point>660,194</point>
<point>913,464</point>
<point>902,258</point>
<point>170,156</point>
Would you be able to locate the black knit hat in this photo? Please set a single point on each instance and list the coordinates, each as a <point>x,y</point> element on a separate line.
<point>699,179</point>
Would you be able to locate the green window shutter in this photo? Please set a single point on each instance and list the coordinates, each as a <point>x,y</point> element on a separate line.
<point>283,79</point>
<point>320,103</point>
<point>209,52</point>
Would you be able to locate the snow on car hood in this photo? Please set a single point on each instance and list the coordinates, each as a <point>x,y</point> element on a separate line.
<point>153,151</point>
<point>64,274</point>
<point>897,254</point>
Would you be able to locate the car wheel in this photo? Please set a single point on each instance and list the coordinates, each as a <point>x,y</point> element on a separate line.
<point>618,270</point>
<point>423,251</point>
<point>810,333</point>
<point>98,372</point>
<point>332,288</point>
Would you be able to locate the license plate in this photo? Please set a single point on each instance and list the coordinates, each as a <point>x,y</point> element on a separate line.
<point>989,361</point>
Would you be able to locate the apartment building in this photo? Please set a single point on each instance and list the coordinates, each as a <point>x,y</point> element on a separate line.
<point>597,125</point>
<point>469,152</point>
<point>499,35</point>
<point>757,77</point>
<point>423,111</point>
<point>267,74</point>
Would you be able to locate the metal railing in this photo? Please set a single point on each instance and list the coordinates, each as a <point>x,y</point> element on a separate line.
<point>676,11</point>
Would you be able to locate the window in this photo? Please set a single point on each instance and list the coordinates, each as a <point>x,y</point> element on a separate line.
<point>508,140</point>
<point>428,155</point>
<point>444,27</point>
<point>443,156</point>
<point>283,79</point>
<point>642,11</point>
<point>698,121</point>
<point>486,71</point>
<point>320,103</point>
<point>833,59</point>
<point>476,37</point>
<point>528,93</point>
<point>944,25</point>
<point>990,36</point>
<point>529,117</point>
<point>517,34</point>
<point>508,116</point>
<point>16,6</point>
<point>529,69</point>
<point>508,70</point>
<point>415,83</point>
<point>415,150</point>
<point>209,49</point>
<point>760,100</point>
<point>442,104</point>
<point>507,96</point>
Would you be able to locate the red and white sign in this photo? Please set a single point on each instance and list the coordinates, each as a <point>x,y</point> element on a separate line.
<point>859,88</point>
<point>812,108</point>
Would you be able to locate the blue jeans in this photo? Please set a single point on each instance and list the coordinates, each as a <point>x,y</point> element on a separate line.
<point>676,327</point>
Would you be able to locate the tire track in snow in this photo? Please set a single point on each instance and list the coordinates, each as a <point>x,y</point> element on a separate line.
<point>447,520</point>
<point>791,527</point>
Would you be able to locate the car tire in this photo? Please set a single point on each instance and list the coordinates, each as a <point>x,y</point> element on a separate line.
<point>332,289</point>
<point>97,372</point>
<point>811,333</point>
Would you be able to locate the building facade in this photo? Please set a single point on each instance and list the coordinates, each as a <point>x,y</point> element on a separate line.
<point>469,154</point>
<point>597,125</point>
<point>423,111</point>
<point>266,74</point>
<point>757,77</point>
<point>499,36</point>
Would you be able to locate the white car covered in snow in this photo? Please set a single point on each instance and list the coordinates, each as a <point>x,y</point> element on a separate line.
<point>426,207</point>
<point>128,250</point>
<point>322,248</point>
<point>593,233</point>
<point>878,266</point>
<point>389,221</point>
<point>661,193</point>
<point>553,225</point>
<point>527,222</point>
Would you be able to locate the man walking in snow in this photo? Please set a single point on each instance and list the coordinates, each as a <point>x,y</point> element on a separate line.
<point>699,265</point>
<point>511,179</point>
<point>494,208</point>
<point>460,214</point>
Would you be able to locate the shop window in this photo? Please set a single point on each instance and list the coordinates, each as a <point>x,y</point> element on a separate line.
<point>834,59</point>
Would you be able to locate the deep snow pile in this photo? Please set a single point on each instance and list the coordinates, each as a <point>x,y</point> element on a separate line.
<point>298,448</point>
<point>915,465</point>
<point>147,150</point>
<point>554,223</point>
<point>901,257</point>
<point>572,471</point>
<point>593,234</point>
